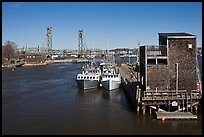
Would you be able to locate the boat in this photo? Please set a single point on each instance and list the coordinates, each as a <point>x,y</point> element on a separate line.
<point>89,78</point>
<point>110,77</point>
<point>19,64</point>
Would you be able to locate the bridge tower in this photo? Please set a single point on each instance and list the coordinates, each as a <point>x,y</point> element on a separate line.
<point>49,39</point>
<point>81,45</point>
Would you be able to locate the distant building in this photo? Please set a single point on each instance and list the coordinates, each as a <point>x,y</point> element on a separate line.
<point>199,50</point>
<point>35,57</point>
<point>170,65</point>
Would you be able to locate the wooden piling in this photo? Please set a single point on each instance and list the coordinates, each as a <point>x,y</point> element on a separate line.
<point>196,108</point>
<point>138,99</point>
<point>179,106</point>
<point>143,109</point>
<point>186,101</point>
<point>169,103</point>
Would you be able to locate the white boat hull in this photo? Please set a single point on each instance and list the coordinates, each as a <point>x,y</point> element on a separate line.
<point>87,84</point>
<point>111,84</point>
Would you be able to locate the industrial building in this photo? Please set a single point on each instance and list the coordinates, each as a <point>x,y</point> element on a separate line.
<point>171,65</point>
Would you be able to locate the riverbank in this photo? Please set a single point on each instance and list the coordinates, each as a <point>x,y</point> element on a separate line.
<point>47,62</point>
<point>34,64</point>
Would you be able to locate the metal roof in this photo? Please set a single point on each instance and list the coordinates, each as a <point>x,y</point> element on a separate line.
<point>174,35</point>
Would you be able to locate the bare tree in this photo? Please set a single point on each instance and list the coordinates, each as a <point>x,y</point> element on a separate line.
<point>9,50</point>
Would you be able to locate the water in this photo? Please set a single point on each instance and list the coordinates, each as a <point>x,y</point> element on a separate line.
<point>45,100</point>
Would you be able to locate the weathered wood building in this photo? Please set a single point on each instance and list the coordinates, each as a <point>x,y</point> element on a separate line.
<point>35,57</point>
<point>171,65</point>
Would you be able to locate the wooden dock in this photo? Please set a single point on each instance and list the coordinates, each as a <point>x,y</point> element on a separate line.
<point>127,74</point>
<point>175,115</point>
<point>169,100</point>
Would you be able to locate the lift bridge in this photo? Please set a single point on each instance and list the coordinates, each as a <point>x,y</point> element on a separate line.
<point>81,44</point>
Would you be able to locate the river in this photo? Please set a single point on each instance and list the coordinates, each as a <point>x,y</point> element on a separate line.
<point>45,100</point>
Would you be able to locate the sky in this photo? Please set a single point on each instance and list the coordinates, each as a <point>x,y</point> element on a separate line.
<point>106,25</point>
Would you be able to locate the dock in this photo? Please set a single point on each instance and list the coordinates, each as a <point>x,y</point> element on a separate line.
<point>172,101</point>
<point>130,84</point>
<point>127,74</point>
<point>175,115</point>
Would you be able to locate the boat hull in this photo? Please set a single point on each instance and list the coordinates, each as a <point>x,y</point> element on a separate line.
<point>111,84</point>
<point>87,84</point>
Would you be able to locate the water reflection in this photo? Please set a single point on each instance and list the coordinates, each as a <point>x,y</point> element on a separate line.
<point>115,96</point>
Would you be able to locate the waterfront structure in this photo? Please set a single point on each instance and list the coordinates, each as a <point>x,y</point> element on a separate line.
<point>14,63</point>
<point>168,75</point>
<point>168,72</point>
<point>171,64</point>
<point>33,58</point>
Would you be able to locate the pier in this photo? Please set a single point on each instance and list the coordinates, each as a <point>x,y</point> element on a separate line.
<point>169,76</point>
<point>176,115</point>
<point>172,100</point>
<point>130,83</point>
<point>168,104</point>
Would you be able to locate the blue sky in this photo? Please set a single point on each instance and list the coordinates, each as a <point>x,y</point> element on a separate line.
<point>106,25</point>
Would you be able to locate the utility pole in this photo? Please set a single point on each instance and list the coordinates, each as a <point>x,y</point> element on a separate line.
<point>138,51</point>
<point>176,78</point>
<point>129,55</point>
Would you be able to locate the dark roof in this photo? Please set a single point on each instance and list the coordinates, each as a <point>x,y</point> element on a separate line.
<point>175,34</point>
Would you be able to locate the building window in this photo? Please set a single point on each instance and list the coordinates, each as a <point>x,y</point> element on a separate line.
<point>151,61</point>
<point>162,61</point>
<point>190,46</point>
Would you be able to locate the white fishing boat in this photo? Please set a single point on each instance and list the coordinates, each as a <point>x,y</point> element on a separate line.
<point>89,78</point>
<point>110,77</point>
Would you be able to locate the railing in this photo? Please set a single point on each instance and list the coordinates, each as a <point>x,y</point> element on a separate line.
<point>156,50</point>
<point>195,94</point>
<point>171,95</point>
